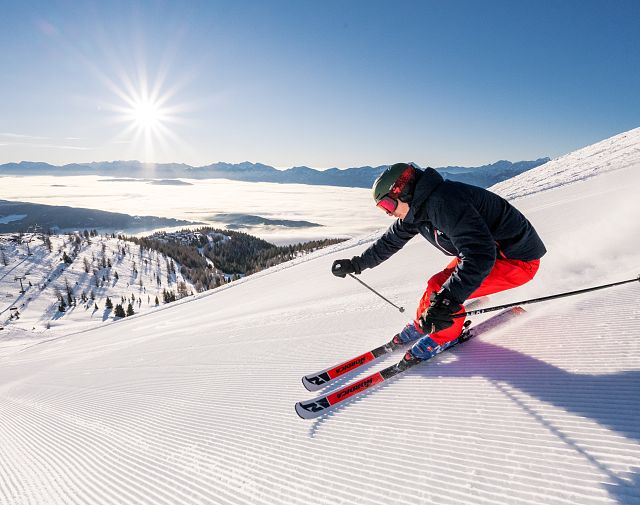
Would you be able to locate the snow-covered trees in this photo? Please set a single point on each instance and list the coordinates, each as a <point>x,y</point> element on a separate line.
<point>183,290</point>
<point>119,311</point>
<point>168,296</point>
<point>170,261</point>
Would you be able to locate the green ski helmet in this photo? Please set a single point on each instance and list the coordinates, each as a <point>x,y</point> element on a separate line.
<point>398,181</point>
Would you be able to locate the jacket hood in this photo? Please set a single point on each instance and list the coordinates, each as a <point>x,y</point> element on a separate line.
<point>428,181</point>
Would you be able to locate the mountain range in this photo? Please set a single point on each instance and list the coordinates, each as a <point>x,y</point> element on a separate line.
<point>358,177</point>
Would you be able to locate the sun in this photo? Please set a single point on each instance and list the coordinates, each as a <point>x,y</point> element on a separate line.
<point>147,110</point>
<point>148,120</point>
<point>146,114</point>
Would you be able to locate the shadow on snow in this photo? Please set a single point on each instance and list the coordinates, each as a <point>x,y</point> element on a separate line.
<point>611,400</point>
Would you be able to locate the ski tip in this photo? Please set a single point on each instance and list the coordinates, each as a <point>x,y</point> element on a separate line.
<point>310,386</point>
<point>298,411</point>
<point>305,414</point>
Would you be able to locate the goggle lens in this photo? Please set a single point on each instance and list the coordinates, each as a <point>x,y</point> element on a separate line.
<point>388,204</point>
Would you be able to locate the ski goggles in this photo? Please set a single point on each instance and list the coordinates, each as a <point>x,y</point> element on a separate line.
<point>388,204</point>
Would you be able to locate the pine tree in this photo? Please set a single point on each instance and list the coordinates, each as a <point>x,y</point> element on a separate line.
<point>119,312</point>
<point>130,311</point>
<point>182,289</point>
<point>109,303</point>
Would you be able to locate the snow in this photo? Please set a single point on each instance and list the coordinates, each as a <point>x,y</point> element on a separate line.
<point>193,403</point>
<point>615,153</point>
<point>44,276</point>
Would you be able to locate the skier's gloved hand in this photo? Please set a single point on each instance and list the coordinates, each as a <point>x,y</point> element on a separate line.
<point>439,315</point>
<point>341,268</point>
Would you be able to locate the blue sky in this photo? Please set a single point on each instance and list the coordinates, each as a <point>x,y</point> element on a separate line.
<point>322,84</point>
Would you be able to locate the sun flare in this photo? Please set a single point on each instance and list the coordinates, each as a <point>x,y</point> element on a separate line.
<point>146,114</point>
<point>148,120</point>
<point>147,110</point>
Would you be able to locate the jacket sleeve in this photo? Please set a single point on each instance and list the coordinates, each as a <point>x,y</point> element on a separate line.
<point>469,233</point>
<point>398,234</point>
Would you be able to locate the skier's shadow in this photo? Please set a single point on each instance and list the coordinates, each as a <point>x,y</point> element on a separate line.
<point>612,400</point>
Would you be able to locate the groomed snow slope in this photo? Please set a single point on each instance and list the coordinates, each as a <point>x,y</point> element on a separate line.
<point>194,403</point>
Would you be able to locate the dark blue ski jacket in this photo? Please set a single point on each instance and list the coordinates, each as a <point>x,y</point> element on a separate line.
<point>461,220</point>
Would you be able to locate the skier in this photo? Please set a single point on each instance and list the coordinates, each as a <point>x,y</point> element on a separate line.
<point>494,247</point>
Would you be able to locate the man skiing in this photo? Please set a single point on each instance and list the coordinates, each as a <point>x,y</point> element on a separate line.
<point>494,247</point>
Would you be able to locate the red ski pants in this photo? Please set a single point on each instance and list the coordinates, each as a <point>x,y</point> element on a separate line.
<point>505,274</point>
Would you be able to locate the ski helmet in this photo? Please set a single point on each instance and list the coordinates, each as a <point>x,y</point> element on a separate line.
<point>398,181</point>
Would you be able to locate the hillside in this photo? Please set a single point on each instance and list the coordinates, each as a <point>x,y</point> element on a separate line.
<point>39,273</point>
<point>100,267</point>
<point>193,403</point>
<point>22,216</point>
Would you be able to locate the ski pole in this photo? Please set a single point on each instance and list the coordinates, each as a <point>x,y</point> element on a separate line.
<point>401,309</point>
<point>544,298</point>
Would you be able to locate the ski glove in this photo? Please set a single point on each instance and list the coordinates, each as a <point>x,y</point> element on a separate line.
<point>439,315</point>
<point>341,268</point>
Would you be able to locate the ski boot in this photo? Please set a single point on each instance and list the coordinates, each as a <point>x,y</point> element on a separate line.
<point>426,348</point>
<point>407,361</point>
<point>408,334</point>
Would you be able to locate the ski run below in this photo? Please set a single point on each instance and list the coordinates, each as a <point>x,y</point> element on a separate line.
<point>194,403</point>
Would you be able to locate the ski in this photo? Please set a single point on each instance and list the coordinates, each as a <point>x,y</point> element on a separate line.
<point>319,380</point>
<point>318,406</point>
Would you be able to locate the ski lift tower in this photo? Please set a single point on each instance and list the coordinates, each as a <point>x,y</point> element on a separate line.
<point>16,278</point>
<point>34,229</point>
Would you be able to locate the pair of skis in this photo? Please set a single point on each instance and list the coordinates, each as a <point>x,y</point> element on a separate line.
<point>318,406</point>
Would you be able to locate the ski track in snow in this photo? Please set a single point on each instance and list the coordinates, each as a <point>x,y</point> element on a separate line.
<point>193,403</point>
